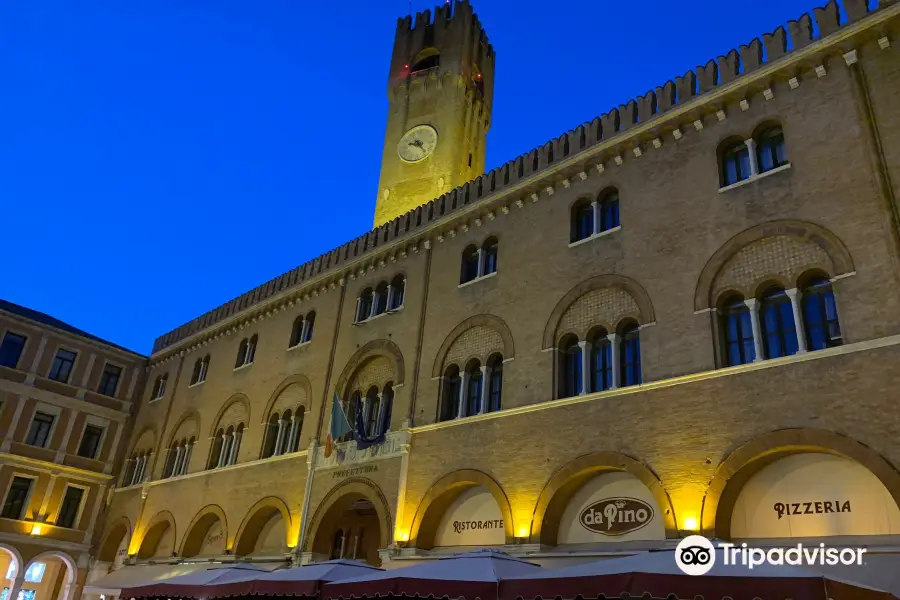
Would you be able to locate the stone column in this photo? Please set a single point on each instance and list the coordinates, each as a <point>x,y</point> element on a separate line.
<point>180,452</point>
<point>279,438</point>
<point>754,162</point>
<point>484,390</point>
<point>373,309</point>
<point>358,316</point>
<point>186,463</point>
<point>17,583</point>
<point>595,209</point>
<point>753,305</point>
<point>615,360</point>
<point>390,297</point>
<point>480,271</point>
<point>235,447</point>
<point>222,450</point>
<point>462,394</point>
<point>585,366</point>
<point>292,435</point>
<point>796,296</point>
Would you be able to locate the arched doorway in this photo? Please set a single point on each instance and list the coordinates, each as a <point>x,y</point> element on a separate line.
<point>10,570</point>
<point>353,522</point>
<point>206,535</point>
<point>265,530</point>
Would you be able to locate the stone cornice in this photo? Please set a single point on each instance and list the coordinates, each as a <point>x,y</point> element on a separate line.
<point>53,468</point>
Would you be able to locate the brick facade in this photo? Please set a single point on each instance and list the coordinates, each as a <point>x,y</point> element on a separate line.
<point>692,432</point>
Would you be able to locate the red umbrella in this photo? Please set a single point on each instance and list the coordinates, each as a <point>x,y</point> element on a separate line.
<point>299,581</point>
<point>657,574</point>
<point>470,575</point>
<point>192,585</point>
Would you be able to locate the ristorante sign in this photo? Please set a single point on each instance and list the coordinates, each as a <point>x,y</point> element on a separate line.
<point>616,516</point>
<point>460,526</point>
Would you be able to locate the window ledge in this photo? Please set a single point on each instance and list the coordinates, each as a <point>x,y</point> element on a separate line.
<point>157,399</point>
<point>594,236</point>
<point>197,384</point>
<point>243,366</point>
<point>387,312</point>
<point>300,345</point>
<point>753,178</point>
<point>477,279</point>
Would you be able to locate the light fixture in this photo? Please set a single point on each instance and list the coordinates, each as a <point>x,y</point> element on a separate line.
<point>690,523</point>
<point>36,529</point>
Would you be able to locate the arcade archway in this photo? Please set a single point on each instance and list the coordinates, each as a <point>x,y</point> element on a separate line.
<point>353,522</point>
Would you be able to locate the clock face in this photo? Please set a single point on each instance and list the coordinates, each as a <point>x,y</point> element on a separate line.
<point>417,144</point>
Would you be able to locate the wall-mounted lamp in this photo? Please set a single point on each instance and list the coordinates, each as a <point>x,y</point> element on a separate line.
<point>36,529</point>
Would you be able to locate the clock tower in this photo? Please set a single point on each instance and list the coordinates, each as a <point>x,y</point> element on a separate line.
<point>440,92</point>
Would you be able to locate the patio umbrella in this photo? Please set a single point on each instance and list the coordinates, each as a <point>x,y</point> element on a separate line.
<point>192,585</point>
<point>470,575</point>
<point>657,574</point>
<point>299,581</point>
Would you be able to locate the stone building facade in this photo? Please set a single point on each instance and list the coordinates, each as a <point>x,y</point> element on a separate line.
<point>66,402</point>
<point>679,317</point>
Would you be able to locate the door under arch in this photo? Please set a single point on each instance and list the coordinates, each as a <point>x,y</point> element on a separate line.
<point>349,529</point>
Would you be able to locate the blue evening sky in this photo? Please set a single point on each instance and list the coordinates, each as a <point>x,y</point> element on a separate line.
<point>159,157</point>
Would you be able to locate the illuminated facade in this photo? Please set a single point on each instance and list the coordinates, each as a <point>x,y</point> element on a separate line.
<point>681,316</point>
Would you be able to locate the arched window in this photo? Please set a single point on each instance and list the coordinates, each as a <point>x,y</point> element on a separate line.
<point>251,349</point>
<point>216,450</point>
<point>398,292</point>
<point>387,406</point>
<point>169,468</point>
<point>601,362</point>
<point>241,358</point>
<point>474,383</point>
<point>159,386</point>
<point>355,399</point>
<point>381,297</point>
<point>495,383</point>
<point>371,410</point>
<point>737,332</point>
<point>823,330</point>
<point>491,250</point>
<point>337,544</point>
<point>364,305</point>
<point>469,264</point>
<point>195,374</point>
<point>271,438</point>
<point>450,394</point>
<point>735,163</point>
<point>631,355</point>
<point>609,211</point>
<point>296,332</point>
<point>777,321</point>
<point>246,351</point>
<point>582,220</point>
<point>297,429</point>
<point>308,324</point>
<point>770,150</point>
<point>426,59</point>
<point>571,371</point>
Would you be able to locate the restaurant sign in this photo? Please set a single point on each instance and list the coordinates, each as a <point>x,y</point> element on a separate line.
<point>616,516</point>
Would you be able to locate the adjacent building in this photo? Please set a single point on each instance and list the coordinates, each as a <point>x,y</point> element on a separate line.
<point>66,402</point>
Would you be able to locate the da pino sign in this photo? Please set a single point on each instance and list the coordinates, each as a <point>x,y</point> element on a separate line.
<point>616,516</point>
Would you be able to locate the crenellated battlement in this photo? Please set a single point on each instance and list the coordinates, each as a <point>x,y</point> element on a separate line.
<point>454,33</point>
<point>688,97</point>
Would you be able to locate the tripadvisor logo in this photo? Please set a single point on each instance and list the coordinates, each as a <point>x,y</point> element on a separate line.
<point>616,516</point>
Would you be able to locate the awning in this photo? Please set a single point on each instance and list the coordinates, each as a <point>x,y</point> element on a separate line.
<point>138,575</point>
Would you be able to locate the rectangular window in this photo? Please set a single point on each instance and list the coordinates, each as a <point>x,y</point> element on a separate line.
<point>109,380</point>
<point>68,511</point>
<point>62,365</point>
<point>11,349</point>
<point>90,441</point>
<point>17,498</point>
<point>39,432</point>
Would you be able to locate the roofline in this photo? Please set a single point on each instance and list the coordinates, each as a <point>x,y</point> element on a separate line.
<point>291,289</point>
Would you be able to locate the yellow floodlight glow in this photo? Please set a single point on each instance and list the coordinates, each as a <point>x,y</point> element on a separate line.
<point>690,523</point>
